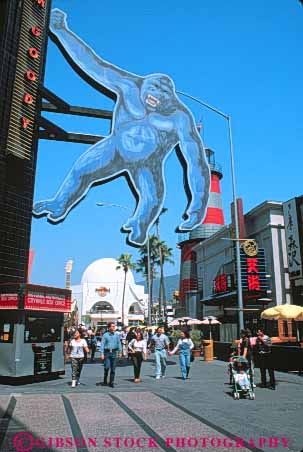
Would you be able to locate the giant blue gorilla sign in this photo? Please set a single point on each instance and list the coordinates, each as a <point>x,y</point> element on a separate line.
<point>149,121</point>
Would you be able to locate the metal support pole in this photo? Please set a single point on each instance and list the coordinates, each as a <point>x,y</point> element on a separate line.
<point>237,233</point>
<point>148,284</point>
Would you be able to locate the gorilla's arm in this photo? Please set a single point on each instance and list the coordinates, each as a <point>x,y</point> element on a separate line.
<point>197,171</point>
<point>84,58</point>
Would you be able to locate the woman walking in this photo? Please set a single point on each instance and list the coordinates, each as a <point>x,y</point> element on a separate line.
<point>184,345</point>
<point>137,349</point>
<point>77,347</point>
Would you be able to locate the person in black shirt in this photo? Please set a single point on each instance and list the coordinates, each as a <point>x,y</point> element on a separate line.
<point>263,346</point>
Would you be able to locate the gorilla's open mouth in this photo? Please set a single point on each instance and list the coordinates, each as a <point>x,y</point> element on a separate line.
<point>152,101</point>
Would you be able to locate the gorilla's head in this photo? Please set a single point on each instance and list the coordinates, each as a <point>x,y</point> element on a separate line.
<point>158,93</point>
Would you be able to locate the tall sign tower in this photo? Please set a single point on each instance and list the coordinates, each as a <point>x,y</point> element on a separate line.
<point>214,220</point>
<point>23,41</point>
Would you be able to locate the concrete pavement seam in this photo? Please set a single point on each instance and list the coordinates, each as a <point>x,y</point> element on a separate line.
<point>73,422</point>
<point>151,433</point>
<point>7,417</point>
<point>205,421</point>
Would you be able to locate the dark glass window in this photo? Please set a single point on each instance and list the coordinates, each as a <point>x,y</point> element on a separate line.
<point>6,330</point>
<point>42,329</point>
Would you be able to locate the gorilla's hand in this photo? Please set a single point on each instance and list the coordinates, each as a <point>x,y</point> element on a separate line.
<point>57,21</point>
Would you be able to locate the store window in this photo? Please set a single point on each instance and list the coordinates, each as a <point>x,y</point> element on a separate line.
<point>42,329</point>
<point>6,331</point>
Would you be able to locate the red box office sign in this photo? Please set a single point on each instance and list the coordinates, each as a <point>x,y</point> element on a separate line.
<point>43,298</point>
<point>9,301</point>
<point>47,302</point>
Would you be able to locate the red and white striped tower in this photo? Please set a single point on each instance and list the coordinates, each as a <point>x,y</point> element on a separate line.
<point>214,220</point>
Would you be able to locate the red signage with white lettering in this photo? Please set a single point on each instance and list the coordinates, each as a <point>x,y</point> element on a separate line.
<point>8,301</point>
<point>48,302</point>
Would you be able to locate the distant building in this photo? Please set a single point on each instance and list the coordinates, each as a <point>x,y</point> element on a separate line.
<point>99,296</point>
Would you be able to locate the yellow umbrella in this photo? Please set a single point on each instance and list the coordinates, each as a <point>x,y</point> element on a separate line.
<point>300,316</point>
<point>283,312</point>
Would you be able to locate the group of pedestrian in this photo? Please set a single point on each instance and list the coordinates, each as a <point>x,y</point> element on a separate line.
<point>135,344</point>
<point>138,343</point>
<point>257,352</point>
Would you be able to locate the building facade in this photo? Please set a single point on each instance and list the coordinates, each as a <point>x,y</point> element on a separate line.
<point>99,297</point>
<point>265,276</point>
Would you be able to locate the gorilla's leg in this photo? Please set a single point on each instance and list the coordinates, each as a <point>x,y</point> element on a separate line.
<point>149,185</point>
<point>98,163</point>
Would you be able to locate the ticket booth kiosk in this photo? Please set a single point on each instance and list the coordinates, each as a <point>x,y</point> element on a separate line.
<point>31,331</point>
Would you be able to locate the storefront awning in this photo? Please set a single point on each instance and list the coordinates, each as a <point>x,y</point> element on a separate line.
<point>218,299</point>
<point>250,299</point>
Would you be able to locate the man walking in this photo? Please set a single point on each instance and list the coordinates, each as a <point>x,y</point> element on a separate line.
<point>263,348</point>
<point>160,343</point>
<point>110,347</point>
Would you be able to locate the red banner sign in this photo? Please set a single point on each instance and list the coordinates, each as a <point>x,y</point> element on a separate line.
<point>8,301</point>
<point>49,302</point>
<point>253,271</point>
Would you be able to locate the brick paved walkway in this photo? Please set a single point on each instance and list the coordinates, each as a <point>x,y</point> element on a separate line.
<point>156,414</point>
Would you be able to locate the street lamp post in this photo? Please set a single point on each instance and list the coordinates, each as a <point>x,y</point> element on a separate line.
<point>233,176</point>
<point>105,204</point>
<point>149,284</point>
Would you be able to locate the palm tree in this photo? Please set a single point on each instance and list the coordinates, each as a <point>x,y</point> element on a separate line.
<point>165,256</point>
<point>162,295</point>
<point>126,264</point>
<point>160,253</point>
<point>142,264</point>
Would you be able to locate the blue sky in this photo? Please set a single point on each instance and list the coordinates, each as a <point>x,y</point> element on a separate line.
<point>245,58</point>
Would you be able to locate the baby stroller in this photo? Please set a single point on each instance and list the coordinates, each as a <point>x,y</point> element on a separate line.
<point>241,381</point>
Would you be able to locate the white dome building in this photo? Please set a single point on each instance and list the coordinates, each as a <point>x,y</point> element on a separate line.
<point>99,296</point>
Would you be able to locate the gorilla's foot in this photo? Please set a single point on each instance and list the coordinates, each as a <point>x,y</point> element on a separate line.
<point>137,236</point>
<point>53,210</point>
<point>193,221</point>
<point>130,224</point>
<point>42,208</point>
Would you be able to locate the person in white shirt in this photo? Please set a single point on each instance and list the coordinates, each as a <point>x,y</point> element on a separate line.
<point>77,348</point>
<point>184,346</point>
<point>137,349</point>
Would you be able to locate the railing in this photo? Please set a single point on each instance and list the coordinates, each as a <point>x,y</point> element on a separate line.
<point>215,167</point>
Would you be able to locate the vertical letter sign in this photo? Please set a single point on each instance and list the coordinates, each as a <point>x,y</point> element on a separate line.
<point>29,64</point>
